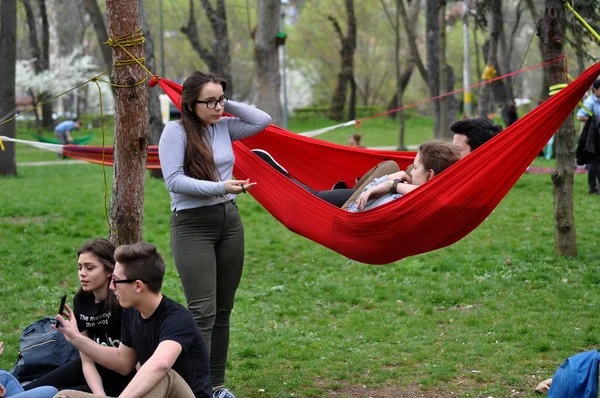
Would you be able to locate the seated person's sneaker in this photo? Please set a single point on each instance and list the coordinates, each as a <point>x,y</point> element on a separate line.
<point>340,185</point>
<point>223,392</point>
<point>266,156</point>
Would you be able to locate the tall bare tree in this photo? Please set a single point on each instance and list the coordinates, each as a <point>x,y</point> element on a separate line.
<point>266,58</point>
<point>41,53</point>
<point>497,88</point>
<point>8,49</point>
<point>402,78</point>
<point>433,59</point>
<point>131,127</point>
<point>535,15</point>
<point>93,10</point>
<point>552,33</point>
<point>218,58</point>
<point>346,75</point>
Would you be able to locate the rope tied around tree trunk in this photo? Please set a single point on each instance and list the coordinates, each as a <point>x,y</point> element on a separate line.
<point>135,38</point>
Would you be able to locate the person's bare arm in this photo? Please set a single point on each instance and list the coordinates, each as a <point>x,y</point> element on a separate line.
<point>151,372</point>
<point>122,359</point>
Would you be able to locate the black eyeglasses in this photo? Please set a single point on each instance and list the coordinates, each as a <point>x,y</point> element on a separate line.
<point>116,281</point>
<point>212,104</point>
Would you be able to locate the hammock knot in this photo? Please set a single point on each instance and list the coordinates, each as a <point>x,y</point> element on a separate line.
<point>154,80</point>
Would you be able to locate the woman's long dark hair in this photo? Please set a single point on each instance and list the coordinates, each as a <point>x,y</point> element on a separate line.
<point>104,251</point>
<point>198,161</point>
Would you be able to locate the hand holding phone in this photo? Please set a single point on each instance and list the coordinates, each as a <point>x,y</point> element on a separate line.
<point>63,300</point>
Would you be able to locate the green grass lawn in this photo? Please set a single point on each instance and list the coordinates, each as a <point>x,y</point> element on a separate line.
<point>491,315</point>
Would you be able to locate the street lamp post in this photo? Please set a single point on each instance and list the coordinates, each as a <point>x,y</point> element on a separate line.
<point>284,4</point>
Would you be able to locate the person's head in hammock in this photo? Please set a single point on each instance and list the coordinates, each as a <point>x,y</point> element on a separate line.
<point>470,134</point>
<point>432,158</point>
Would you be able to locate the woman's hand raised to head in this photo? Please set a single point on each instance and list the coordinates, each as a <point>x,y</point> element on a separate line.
<point>238,186</point>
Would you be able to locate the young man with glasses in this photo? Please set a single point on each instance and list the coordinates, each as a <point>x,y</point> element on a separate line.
<point>156,331</point>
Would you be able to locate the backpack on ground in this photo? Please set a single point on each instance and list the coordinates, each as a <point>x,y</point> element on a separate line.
<point>42,350</point>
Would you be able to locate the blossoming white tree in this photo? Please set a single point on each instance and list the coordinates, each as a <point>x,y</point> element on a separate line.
<point>64,74</point>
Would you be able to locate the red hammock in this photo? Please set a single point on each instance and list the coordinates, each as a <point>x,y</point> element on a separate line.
<point>434,216</point>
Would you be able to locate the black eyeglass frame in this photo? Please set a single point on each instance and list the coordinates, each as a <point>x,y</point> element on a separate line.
<point>221,101</point>
<point>117,281</point>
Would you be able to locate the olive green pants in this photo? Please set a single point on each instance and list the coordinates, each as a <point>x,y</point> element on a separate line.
<point>208,249</point>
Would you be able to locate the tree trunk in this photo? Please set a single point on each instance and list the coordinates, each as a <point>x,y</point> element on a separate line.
<point>410,24</point>
<point>267,78</point>
<point>93,10</point>
<point>8,49</point>
<point>543,95</point>
<point>497,88</point>
<point>47,120</point>
<point>346,75</point>
<point>433,60</point>
<point>352,110</point>
<point>218,58</point>
<point>131,128</point>
<point>552,34</point>
<point>443,131</point>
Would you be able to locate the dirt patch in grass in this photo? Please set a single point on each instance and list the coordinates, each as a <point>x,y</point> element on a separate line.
<point>389,392</point>
<point>27,220</point>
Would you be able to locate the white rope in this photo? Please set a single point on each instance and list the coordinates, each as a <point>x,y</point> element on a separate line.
<point>40,145</point>
<point>314,133</point>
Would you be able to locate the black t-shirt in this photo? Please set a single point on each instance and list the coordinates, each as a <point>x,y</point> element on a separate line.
<point>103,325</point>
<point>170,321</point>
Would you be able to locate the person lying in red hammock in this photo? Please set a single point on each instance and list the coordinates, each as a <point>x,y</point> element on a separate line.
<point>469,134</point>
<point>432,158</point>
<point>377,188</point>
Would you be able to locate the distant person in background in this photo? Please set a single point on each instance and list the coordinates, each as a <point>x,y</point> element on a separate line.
<point>63,131</point>
<point>509,113</point>
<point>593,104</point>
<point>354,141</point>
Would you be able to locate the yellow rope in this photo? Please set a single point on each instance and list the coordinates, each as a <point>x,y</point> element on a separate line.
<point>53,98</point>
<point>135,38</point>
<point>557,87</point>
<point>103,165</point>
<point>592,31</point>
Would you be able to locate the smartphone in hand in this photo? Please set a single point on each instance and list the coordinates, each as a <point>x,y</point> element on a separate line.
<point>63,300</point>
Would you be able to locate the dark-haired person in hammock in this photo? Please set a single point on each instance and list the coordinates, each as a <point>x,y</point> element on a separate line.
<point>469,134</point>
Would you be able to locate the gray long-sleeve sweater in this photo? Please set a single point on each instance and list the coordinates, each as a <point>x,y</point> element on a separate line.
<point>187,192</point>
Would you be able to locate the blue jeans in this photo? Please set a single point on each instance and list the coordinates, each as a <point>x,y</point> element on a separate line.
<point>14,389</point>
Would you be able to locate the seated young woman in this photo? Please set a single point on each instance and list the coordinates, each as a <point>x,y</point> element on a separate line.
<point>385,182</point>
<point>98,315</point>
<point>432,158</point>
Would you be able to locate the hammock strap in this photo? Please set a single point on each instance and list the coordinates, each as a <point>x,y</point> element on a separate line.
<point>53,98</point>
<point>563,57</point>
<point>103,162</point>
<point>580,19</point>
<point>135,38</point>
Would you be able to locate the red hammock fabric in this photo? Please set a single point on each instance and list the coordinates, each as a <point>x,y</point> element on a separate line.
<point>434,216</point>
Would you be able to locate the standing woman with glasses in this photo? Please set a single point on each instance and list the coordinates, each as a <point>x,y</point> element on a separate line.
<point>207,236</point>
<point>98,316</point>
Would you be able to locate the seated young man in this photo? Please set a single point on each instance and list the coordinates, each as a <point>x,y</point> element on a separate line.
<point>156,331</point>
<point>469,134</point>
